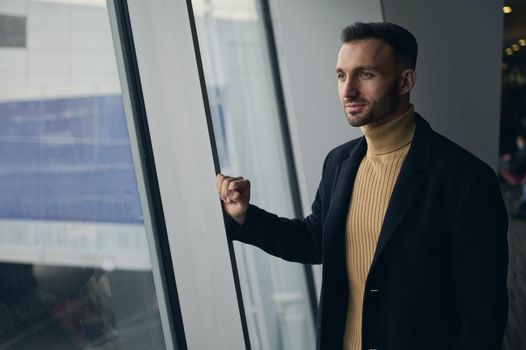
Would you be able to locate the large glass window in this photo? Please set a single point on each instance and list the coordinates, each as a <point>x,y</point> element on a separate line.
<point>248,133</point>
<point>75,258</point>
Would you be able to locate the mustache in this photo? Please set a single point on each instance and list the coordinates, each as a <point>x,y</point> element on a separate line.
<point>353,100</point>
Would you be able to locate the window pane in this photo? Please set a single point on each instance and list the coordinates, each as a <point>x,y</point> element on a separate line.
<point>75,260</point>
<point>247,129</point>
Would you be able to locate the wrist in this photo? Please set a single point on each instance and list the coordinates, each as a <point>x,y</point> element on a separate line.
<point>239,219</point>
<point>241,215</point>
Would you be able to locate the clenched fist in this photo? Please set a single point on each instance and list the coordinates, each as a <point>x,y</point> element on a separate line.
<point>235,194</point>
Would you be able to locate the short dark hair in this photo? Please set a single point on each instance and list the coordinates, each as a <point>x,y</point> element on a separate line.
<point>405,47</point>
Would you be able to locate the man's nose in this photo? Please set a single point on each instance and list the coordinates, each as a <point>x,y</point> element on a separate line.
<point>351,89</point>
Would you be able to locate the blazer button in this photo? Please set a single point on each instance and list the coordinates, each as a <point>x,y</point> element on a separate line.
<point>373,291</point>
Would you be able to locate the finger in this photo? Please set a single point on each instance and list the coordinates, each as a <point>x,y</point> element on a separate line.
<point>234,196</point>
<point>239,191</point>
<point>219,181</point>
<point>224,188</point>
<point>241,185</point>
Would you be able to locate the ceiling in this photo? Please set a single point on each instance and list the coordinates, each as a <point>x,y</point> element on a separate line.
<point>515,27</point>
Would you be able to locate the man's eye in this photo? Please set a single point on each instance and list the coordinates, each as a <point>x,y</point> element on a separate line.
<point>366,75</point>
<point>340,76</point>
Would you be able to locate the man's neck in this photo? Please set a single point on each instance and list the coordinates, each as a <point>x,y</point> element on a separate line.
<point>400,110</point>
<point>392,135</point>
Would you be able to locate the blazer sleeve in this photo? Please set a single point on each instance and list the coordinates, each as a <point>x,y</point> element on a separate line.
<point>479,263</point>
<point>298,240</point>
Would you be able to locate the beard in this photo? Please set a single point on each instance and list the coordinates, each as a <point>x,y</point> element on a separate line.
<point>376,110</point>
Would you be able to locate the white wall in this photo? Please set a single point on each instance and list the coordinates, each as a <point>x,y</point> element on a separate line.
<point>458,69</point>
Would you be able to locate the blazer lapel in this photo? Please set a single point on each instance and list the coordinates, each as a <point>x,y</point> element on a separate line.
<point>408,185</point>
<point>339,206</point>
<point>343,189</point>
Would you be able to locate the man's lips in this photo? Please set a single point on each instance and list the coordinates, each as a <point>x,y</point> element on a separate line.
<point>354,107</point>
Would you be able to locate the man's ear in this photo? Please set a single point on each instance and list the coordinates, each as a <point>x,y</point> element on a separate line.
<point>407,81</point>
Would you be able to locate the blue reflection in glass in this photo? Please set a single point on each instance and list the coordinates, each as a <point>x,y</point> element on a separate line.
<point>67,159</point>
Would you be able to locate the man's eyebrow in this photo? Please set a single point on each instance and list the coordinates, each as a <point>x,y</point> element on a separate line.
<point>360,68</point>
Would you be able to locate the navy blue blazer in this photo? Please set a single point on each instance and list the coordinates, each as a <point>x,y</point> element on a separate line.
<point>438,276</point>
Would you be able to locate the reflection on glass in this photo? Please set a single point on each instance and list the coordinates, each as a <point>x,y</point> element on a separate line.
<point>247,130</point>
<point>75,267</point>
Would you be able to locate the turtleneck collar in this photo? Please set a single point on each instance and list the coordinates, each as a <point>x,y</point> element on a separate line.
<point>390,136</point>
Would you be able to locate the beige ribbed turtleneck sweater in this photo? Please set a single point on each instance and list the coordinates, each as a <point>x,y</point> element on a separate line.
<point>387,147</point>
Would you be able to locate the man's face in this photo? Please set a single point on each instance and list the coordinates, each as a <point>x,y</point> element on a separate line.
<point>368,82</point>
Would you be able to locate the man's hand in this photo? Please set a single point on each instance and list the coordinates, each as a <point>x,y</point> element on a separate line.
<point>235,194</point>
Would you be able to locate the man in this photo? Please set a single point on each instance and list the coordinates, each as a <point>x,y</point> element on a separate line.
<point>410,228</point>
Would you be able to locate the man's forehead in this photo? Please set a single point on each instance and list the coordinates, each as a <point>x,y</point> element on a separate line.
<point>367,50</point>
